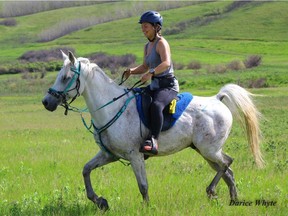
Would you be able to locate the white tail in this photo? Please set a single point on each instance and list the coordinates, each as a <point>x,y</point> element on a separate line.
<point>240,103</point>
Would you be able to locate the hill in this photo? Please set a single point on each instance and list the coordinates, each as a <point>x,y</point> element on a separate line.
<point>218,30</point>
<point>211,33</point>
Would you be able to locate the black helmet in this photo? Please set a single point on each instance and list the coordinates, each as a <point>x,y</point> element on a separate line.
<point>151,17</point>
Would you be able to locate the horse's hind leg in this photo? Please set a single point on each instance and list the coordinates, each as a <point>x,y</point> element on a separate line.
<point>228,177</point>
<point>222,168</point>
<point>220,163</point>
<point>99,160</point>
<point>230,181</point>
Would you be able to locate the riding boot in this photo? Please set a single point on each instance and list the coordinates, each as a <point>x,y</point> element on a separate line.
<point>150,147</point>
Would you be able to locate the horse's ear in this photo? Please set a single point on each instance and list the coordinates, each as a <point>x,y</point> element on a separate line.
<point>71,57</point>
<point>64,55</point>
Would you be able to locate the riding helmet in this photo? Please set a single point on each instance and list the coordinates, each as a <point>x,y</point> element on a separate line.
<point>152,17</point>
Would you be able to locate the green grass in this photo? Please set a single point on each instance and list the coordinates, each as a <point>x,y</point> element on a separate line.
<point>257,21</point>
<point>42,155</point>
<point>47,162</point>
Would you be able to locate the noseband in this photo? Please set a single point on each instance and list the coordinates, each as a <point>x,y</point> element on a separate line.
<point>63,94</point>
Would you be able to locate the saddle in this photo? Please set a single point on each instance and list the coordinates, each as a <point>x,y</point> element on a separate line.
<point>171,112</point>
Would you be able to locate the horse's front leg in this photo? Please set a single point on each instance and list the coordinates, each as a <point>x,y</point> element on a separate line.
<point>99,160</point>
<point>138,166</point>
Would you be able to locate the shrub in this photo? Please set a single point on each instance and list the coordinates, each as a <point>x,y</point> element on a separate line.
<point>44,55</point>
<point>3,70</point>
<point>236,65</point>
<point>194,65</point>
<point>259,83</point>
<point>172,30</point>
<point>15,69</point>
<point>53,66</point>
<point>220,68</point>
<point>8,22</point>
<point>113,63</point>
<point>252,61</point>
<point>178,66</point>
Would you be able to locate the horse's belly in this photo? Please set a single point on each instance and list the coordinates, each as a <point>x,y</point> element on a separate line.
<point>178,137</point>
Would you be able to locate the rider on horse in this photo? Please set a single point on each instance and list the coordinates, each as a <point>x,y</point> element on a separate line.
<point>157,67</point>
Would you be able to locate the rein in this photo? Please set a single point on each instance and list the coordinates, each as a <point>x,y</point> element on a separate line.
<point>108,124</point>
<point>113,120</point>
<point>137,84</point>
<point>99,131</point>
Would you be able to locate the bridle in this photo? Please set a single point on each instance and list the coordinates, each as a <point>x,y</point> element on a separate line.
<point>63,94</point>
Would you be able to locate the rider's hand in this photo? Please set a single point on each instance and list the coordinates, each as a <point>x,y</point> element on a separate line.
<point>146,77</point>
<point>127,73</point>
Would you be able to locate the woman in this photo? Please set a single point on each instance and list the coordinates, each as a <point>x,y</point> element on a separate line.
<point>157,67</point>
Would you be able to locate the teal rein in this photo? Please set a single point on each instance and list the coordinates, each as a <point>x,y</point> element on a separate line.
<point>120,112</point>
<point>107,125</point>
<point>100,130</point>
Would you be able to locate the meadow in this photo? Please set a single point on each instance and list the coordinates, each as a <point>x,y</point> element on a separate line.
<point>42,154</point>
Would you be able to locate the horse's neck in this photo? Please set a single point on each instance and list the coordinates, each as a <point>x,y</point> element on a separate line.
<point>99,90</point>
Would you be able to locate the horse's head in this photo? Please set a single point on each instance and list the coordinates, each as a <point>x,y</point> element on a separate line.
<point>66,86</point>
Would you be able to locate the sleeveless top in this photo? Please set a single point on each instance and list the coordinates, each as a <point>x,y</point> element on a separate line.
<point>153,59</point>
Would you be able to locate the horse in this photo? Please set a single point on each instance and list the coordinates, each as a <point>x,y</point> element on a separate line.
<point>204,126</point>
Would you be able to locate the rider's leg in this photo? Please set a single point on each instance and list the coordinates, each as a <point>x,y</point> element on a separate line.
<point>160,99</point>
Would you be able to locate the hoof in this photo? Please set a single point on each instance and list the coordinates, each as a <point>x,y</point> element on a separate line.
<point>233,194</point>
<point>102,204</point>
<point>211,194</point>
<point>234,198</point>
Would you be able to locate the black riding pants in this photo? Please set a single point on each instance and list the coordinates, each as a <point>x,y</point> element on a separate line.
<point>160,99</point>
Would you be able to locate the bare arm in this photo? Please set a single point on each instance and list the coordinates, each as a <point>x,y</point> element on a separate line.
<point>163,49</point>
<point>139,69</point>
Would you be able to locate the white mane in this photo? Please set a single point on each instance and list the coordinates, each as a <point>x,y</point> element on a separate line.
<point>84,60</point>
<point>93,68</point>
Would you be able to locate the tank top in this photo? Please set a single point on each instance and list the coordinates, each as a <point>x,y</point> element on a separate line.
<point>153,59</point>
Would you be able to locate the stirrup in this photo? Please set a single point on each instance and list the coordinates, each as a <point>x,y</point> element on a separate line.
<point>150,147</point>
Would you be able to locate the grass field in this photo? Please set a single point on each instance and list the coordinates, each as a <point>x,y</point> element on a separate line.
<point>43,153</point>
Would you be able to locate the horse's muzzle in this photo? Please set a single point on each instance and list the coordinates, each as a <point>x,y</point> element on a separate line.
<point>50,102</point>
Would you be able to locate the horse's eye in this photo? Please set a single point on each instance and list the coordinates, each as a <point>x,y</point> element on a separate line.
<point>64,78</point>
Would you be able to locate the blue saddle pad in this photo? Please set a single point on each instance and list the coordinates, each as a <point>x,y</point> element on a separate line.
<point>169,119</point>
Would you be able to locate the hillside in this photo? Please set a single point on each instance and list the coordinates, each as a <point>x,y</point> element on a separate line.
<point>212,34</point>
<point>253,21</point>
